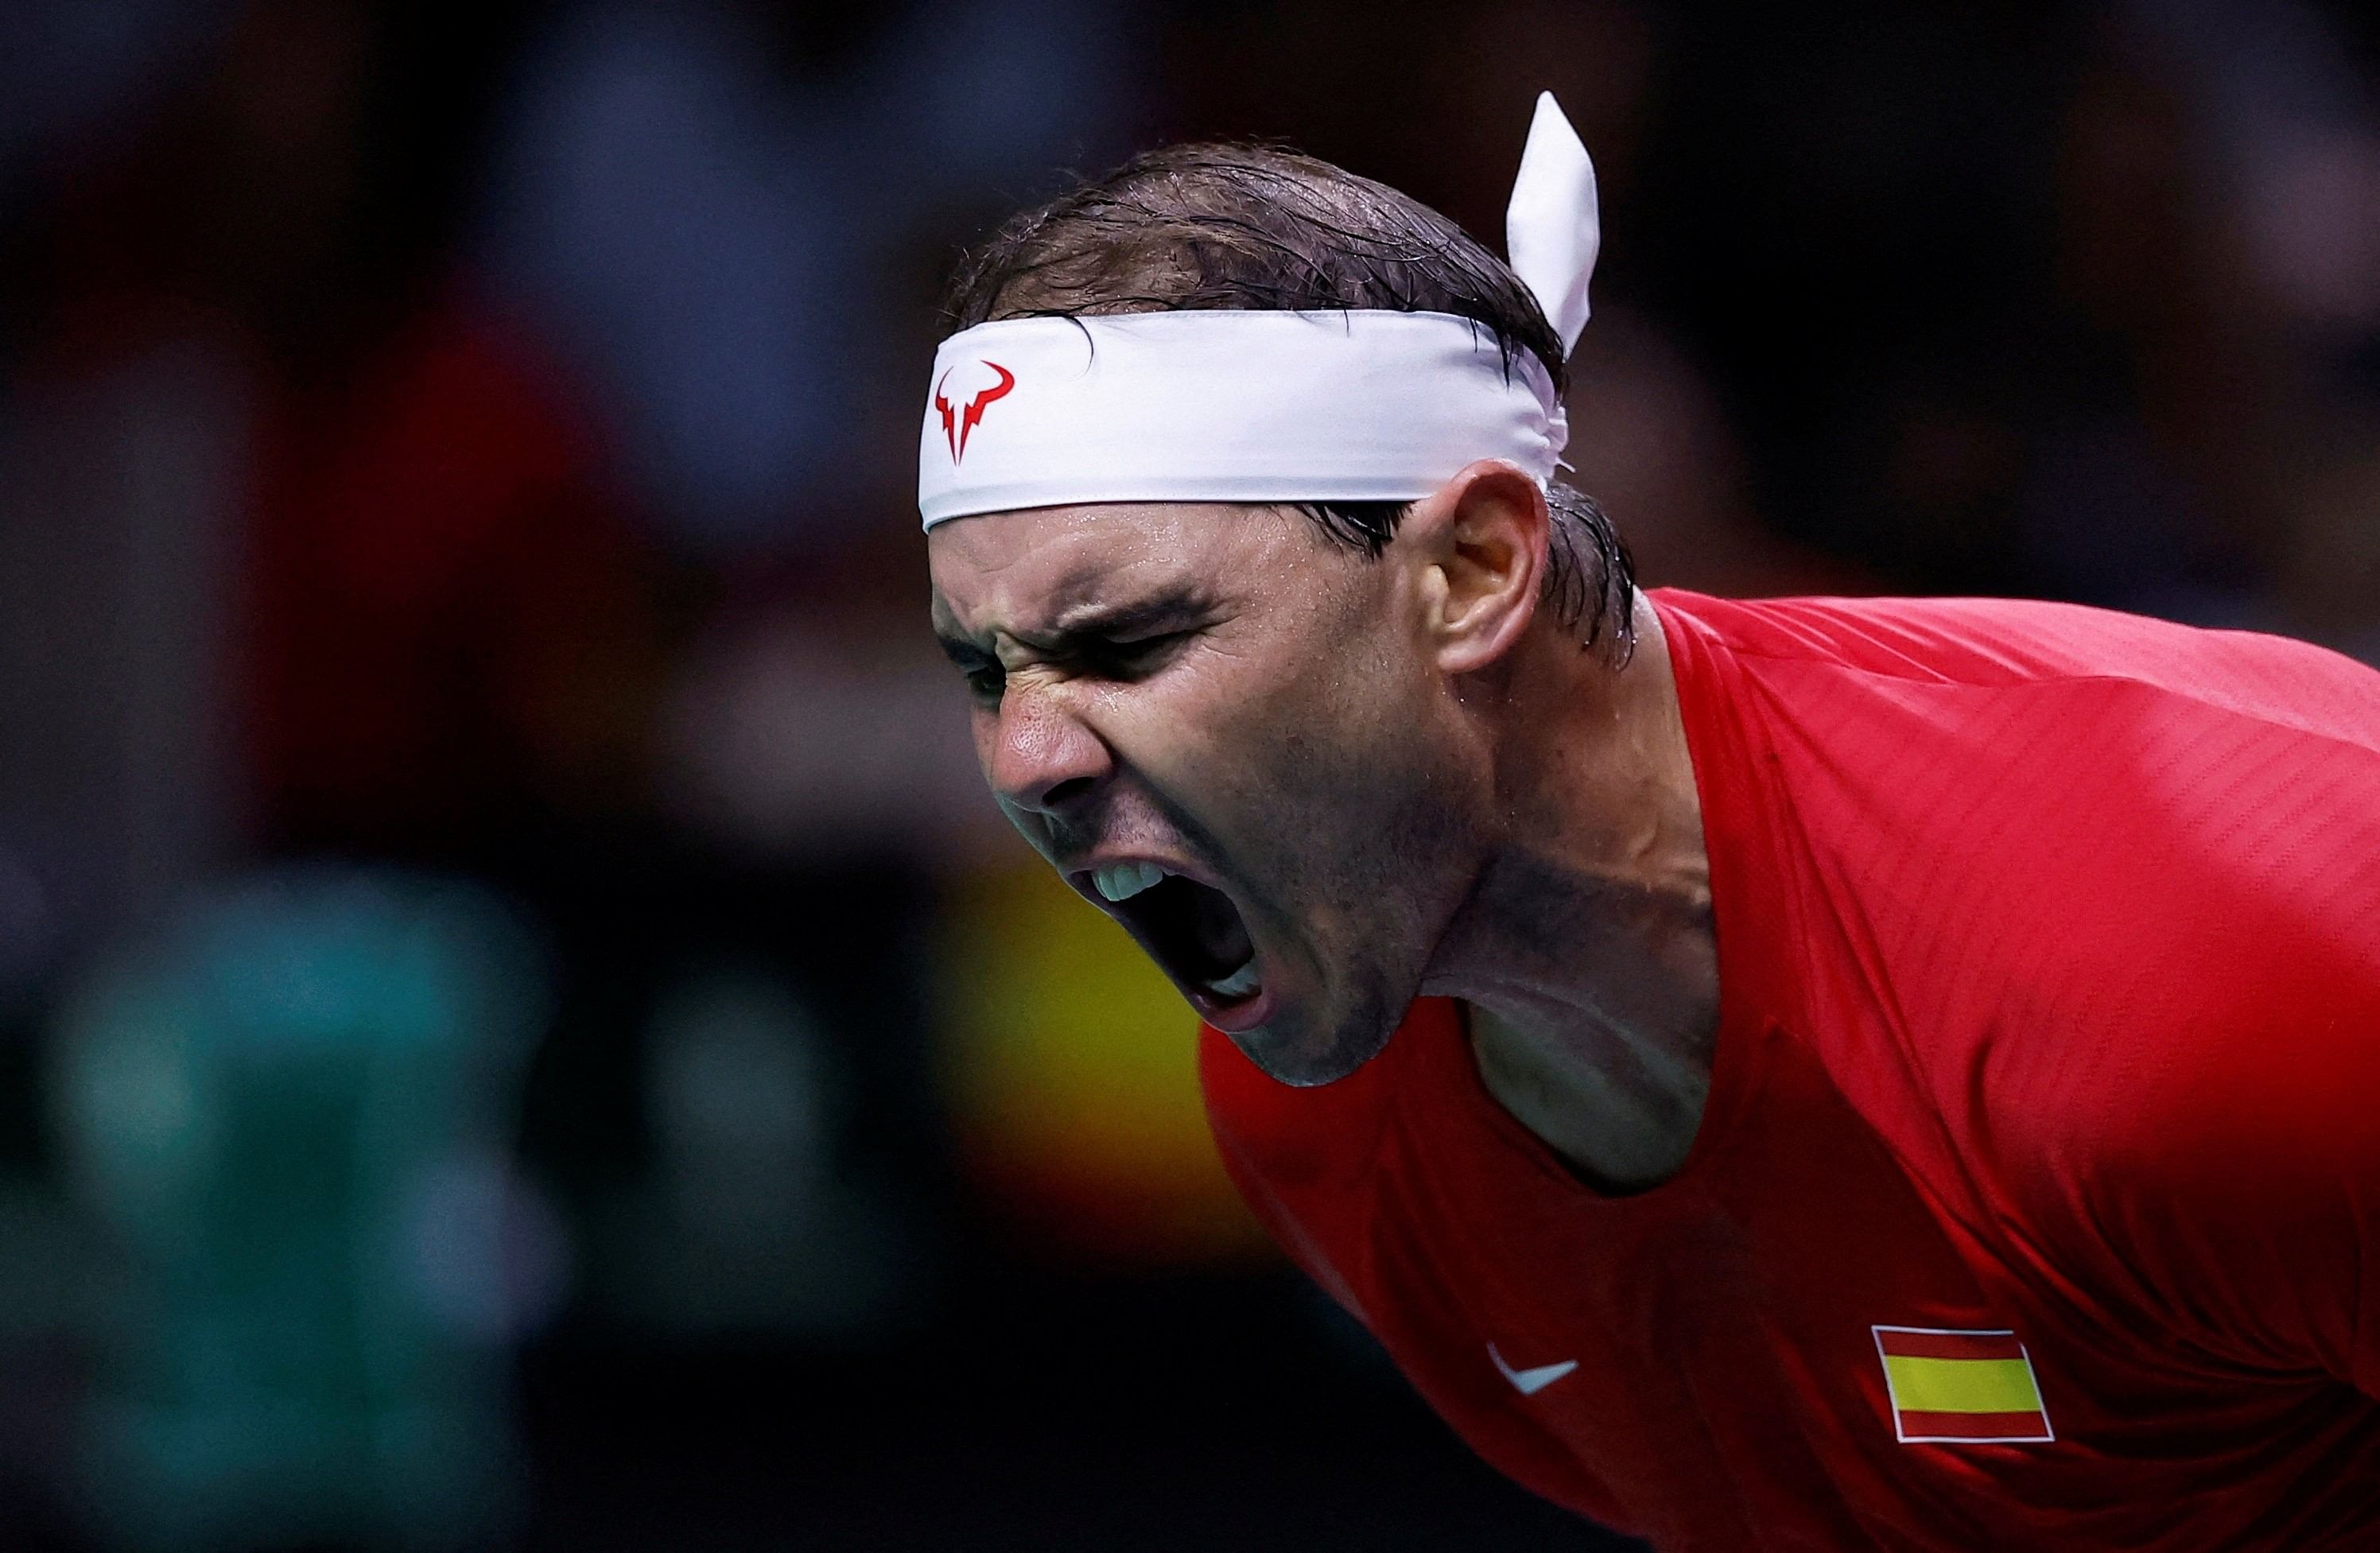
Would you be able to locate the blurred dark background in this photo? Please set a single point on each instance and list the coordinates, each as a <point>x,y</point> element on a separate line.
<point>518,1026</point>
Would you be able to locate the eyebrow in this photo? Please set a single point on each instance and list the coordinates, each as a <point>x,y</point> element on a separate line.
<point>1125,622</point>
<point>1085,624</point>
<point>960,650</point>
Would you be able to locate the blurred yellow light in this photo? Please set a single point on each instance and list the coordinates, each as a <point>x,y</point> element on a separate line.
<point>1070,1067</point>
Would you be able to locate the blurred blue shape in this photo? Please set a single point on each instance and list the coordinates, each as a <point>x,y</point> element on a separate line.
<point>76,72</point>
<point>289,1109</point>
<point>716,244</point>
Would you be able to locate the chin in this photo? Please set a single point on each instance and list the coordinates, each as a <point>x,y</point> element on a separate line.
<point>1304,1053</point>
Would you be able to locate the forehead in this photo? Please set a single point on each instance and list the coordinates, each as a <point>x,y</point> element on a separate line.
<point>1019,568</point>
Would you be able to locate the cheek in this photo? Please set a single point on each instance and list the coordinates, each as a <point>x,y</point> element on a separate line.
<point>1274,725</point>
<point>1309,766</point>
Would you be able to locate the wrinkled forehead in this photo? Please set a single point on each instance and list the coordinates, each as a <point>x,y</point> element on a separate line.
<point>1020,570</point>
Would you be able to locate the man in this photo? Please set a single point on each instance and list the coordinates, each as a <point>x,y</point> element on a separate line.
<point>1805,1074</point>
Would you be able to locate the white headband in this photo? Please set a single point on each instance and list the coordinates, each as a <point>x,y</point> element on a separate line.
<point>1362,405</point>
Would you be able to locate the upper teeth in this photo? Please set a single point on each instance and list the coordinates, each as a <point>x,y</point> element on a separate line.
<point>1122,881</point>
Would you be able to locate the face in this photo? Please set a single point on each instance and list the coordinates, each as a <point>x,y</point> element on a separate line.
<point>1229,733</point>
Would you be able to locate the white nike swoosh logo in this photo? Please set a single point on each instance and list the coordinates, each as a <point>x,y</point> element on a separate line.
<point>1529,1382</point>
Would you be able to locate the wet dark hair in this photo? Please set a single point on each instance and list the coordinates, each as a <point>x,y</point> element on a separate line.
<point>1256,227</point>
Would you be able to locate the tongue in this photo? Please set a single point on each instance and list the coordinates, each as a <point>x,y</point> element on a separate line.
<point>1216,928</point>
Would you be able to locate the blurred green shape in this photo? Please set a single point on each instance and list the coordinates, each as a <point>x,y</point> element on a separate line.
<point>288,1113</point>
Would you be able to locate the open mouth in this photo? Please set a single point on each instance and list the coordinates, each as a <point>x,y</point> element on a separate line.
<point>1191,930</point>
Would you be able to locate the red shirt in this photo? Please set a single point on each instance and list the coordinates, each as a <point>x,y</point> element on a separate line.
<point>2048,1086</point>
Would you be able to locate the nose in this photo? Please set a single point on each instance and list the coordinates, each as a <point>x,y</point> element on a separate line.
<point>1043,756</point>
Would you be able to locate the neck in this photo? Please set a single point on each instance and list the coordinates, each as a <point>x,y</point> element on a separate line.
<point>1585,951</point>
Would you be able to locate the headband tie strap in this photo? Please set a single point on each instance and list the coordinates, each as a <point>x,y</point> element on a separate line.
<point>1359,405</point>
<point>1553,227</point>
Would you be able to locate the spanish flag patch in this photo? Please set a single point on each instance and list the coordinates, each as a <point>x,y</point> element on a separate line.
<point>1968,1387</point>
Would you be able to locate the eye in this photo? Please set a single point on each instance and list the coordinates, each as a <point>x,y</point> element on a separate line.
<point>986,682</point>
<point>1134,659</point>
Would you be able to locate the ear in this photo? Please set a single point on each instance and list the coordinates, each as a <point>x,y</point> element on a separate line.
<point>1476,547</point>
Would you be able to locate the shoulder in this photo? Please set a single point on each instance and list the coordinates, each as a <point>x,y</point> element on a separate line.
<point>2033,818</point>
<point>2155,913</point>
<point>2118,884</point>
<point>2004,643</point>
<point>2063,818</point>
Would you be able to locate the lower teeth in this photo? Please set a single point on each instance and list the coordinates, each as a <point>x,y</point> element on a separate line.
<point>1239,984</point>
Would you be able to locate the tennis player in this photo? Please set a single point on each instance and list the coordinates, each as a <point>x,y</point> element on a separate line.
<point>1810,1074</point>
